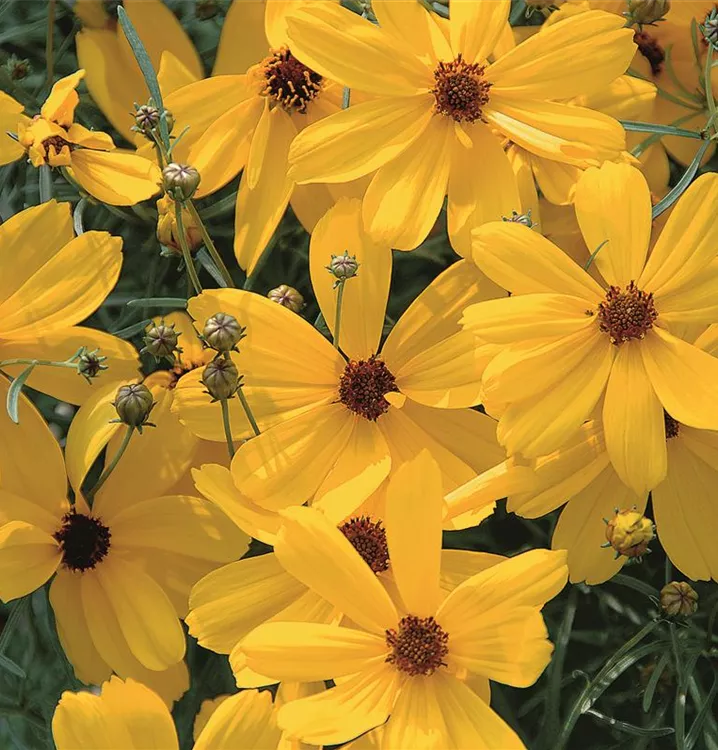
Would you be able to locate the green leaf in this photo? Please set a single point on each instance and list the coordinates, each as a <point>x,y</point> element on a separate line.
<point>648,127</point>
<point>208,264</point>
<point>176,302</point>
<point>653,681</point>
<point>10,666</point>
<point>13,394</point>
<point>634,583</point>
<point>77,216</point>
<point>133,330</point>
<point>45,179</point>
<point>624,726</point>
<point>682,185</point>
<point>593,256</point>
<point>705,711</point>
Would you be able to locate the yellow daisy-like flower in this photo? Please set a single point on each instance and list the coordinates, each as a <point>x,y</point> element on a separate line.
<point>407,662</point>
<point>50,282</point>
<point>52,138</point>
<point>122,569</point>
<point>338,422</point>
<point>569,340</point>
<point>130,716</point>
<point>114,78</point>
<point>441,102</point>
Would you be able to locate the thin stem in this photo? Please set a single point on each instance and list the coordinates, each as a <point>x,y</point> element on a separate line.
<point>191,270</point>
<point>248,411</point>
<point>37,362</point>
<point>346,97</point>
<point>209,244</point>
<point>50,43</point>
<point>338,315</point>
<point>227,428</point>
<point>708,84</point>
<point>109,469</point>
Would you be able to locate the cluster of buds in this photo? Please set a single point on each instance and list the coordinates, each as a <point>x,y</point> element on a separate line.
<point>133,404</point>
<point>287,296</point>
<point>517,218</point>
<point>147,119</point>
<point>161,341</point>
<point>646,12</point>
<point>343,267</point>
<point>89,363</point>
<point>180,181</point>
<point>629,533</point>
<point>222,332</point>
<point>710,28</point>
<point>678,599</point>
<point>168,232</point>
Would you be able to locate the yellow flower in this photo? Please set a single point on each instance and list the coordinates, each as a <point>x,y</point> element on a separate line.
<point>52,138</point>
<point>629,532</point>
<point>685,515</point>
<point>338,422</point>
<point>122,569</point>
<point>407,662</point>
<point>167,233</point>
<point>569,340</point>
<point>114,79</point>
<point>129,716</point>
<point>50,281</point>
<point>424,139</point>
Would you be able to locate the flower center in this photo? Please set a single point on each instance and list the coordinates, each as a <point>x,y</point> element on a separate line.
<point>56,142</point>
<point>626,313</point>
<point>418,647</point>
<point>649,47</point>
<point>671,425</point>
<point>84,541</point>
<point>363,385</point>
<point>369,539</point>
<point>291,83</point>
<point>460,90</point>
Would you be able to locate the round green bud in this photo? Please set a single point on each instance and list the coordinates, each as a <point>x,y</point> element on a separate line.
<point>180,181</point>
<point>222,332</point>
<point>161,341</point>
<point>287,296</point>
<point>647,11</point>
<point>221,378</point>
<point>710,28</point>
<point>679,598</point>
<point>134,403</point>
<point>343,267</point>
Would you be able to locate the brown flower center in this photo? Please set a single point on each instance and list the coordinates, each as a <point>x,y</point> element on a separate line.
<point>84,541</point>
<point>369,539</point>
<point>418,647</point>
<point>363,385</point>
<point>460,90</point>
<point>289,82</point>
<point>57,142</point>
<point>626,314</point>
<point>671,425</point>
<point>649,47</point>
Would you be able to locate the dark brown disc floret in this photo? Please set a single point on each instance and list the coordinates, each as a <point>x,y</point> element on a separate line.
<point>461,91</point>
<point>649,47</point>
<point>369,539</point>
<point>57,142</point>
<point>418,646</point>
<point>672,426</point>
<point>84,541</point>
<point>363,385</point>
<point>626,314</point>
<point>289,82</point>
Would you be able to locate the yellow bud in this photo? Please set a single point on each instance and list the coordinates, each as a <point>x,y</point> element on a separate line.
<point>679,598</point>
<point>629,533</point>
<point>167,232</point>
<point>287,296</point>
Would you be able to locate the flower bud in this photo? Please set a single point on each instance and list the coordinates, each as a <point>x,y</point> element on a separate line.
<point>710,28</point>
<point>629,533</point>
<point>180,181</point>
<point>679,598</point>
<point>287,296</point>
<point>161,342</point>
<point>517,218</point>
<point>167,231</point>
<point>221,378</point>
<point>17,68</point>
<point>222,332</point>
<point>206,9</point>
<point>147,117</point>
<point>343,267</point>
<point>647,11</point>
<point>134,403</point>
<point>89,364</point>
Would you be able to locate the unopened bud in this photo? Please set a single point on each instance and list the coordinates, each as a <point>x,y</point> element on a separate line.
<point>134,403</point>
<point>206,9</point>
<point>168,232</point>
<point>710,28</point>
<point>89,364</point>
<point>221,378</point>
<point>517,218</point>
<point>629,533</point>
<point>222,332</point>
<point>343,267</point>
<point>17,68</point>
<point>679,598</point>
<point>147,117</point>
<point>161,342</point>
<point>180,181</point>
<point>646,12</point>
<point>287,296</point>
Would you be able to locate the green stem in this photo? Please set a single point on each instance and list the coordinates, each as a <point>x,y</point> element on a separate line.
<point>338,315</point>
<point>50,43</point>
<point>191,270</point>
<point>37,362</point>
<point>209,244</point>
<point>227,428</point>
<point>248,411</point>
<point>708,85</point>
<point>109,469</point>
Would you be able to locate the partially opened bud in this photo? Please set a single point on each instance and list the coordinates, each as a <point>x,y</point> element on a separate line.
<point>647,11</point>
<point>287,296</point>
<point>167,230</point>
<point>221,378</point>
<point>343,267</point>
<point>89,364</point>
<point>134,403</point>
<point>679,598</point>
<point>222,332</point>
<point>180,181</point>
<point>629,533</point>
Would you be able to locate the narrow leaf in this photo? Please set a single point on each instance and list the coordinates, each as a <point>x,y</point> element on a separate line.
<point>10,666</point>
<point>653,681</point>
<point>176,302</point>
<point>648,127</point>
<point>705,711</point>
<point>133,330</point>
<point>45,179</point>
<point>208,264</point>
<point>624,726</point>
<point>13,394</point>
<point>681,186</point>
<point>78,216</point>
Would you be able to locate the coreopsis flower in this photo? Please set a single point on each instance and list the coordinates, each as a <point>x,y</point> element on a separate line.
<point>442,109</point>
<point>121,570</point>
<point>685,515</point>
<point>127,714</point>
<point>406,658</point>
<point>113,78</point>
<point>50,281</point>
<point>338,421</point>
<point>53,138</point>
<point>570,341</point>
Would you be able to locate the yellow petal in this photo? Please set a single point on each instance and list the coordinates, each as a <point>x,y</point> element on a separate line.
<point>83,721</point>
<point>693,302</point>
<point>10,115</point>
<point>28,558</point>
<point>310,203</point>
<point>242,42</point>
<point>613,207</point>
<point>172,76</point>
<point>116,178</point>
<point>410,23</point>
<point>365,296</point>
<point>60,104</point>
<point>476,28</point>
<point>414,532</point>
<point>243,720</point>
<point>556,180</point>
<point>358,140</point>
<point>307,542</point>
